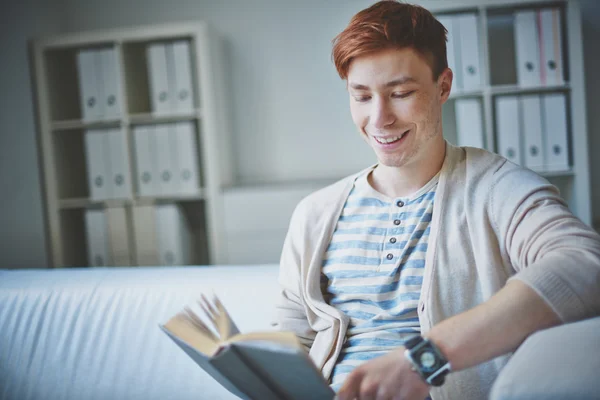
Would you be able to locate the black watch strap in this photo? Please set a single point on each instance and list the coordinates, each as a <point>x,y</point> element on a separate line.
<point>413,341</point>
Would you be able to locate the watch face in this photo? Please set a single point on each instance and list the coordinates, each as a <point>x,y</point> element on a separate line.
<point>427,360</point>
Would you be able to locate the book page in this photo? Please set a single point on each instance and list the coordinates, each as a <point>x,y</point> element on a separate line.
<point>279,339</point>
<point>186,331</point>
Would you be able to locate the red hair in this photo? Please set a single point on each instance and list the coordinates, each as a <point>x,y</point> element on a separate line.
<point>389,24</point>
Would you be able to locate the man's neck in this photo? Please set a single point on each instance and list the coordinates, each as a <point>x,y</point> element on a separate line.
<point>408,179</point>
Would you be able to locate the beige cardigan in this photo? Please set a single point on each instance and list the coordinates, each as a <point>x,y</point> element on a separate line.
<point>492,220</point>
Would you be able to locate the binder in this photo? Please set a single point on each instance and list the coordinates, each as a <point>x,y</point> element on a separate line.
<point>160,95</point>
<point>187,172</point>
<point>551,39</point>
<point>118,236</point>
<point>90,93</point>
<point>527,48</point>
<point>452,51</point>
<point>531,117</point>
<point>96,236</point>
<point>556,134</point>
<point>469,123</point>
<point>507,128</point>
<point>182,77</point>
<point>96,157</point>
<point>165,161</point>
<point>111,83</point>
<point>119,184</point>
<point>173,235</point>
<point>144,230</point>
<point>469,50</point>
<point>146,165</point>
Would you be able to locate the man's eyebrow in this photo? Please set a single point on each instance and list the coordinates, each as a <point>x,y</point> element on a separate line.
<point>395,82</point>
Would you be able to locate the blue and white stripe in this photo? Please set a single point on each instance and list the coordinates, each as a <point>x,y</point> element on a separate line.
<point>373,270</point>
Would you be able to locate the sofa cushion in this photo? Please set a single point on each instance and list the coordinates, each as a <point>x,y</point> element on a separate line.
<point>93,333</point>
<point>558,363</point>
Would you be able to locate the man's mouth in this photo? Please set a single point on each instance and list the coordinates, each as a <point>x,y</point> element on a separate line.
<point>389,139</point>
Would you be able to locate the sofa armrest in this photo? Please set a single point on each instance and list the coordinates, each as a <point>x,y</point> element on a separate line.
<point>558,363</point>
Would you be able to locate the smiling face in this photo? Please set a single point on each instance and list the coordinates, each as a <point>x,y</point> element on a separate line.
<point>397,105</point>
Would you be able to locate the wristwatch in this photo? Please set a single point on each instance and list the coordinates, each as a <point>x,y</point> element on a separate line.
<point>427,360</point>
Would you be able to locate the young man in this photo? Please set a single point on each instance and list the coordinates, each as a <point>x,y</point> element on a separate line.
<point>454,253</point>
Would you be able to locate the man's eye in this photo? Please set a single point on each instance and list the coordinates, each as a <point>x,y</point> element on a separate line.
<point>403,95</point>
<point>362,99</point>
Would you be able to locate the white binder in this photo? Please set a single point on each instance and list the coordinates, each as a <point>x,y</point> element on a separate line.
<point>173,235</point>
<point>165,162</point>
<point>469,50</point>
<point>182,83</point>
<point>160,93</point>
<point>533,146</point>
<point>144,230</point>
<point>90,94</point>
<point>469,123</point>
<point>146,166</point>
<point>119,184</point>
<point>452,51</point>
<point>96,157</point>
<point>555,128</point>
<point>507,128</point>
<point>187,172</point>
<point>527,48</point>
<point>111,83</point>
<point>551,38</point>
<point>96,236</point>
<point>118,236</point>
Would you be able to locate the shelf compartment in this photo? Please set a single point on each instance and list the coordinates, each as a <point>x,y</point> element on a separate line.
<point>170,233</point>
<point>73,238</point>
<point>160,76</point>
<point>70,165</point>
<point>503,39</point>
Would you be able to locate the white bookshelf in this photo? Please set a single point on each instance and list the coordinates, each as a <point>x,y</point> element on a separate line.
<point>131,231</point>
<point>499,78</point>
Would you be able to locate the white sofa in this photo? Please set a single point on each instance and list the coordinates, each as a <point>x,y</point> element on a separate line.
<point>78,334</point>
<point>93,333</point>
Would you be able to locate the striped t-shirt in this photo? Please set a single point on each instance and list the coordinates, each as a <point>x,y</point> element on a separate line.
<point>373,270</point>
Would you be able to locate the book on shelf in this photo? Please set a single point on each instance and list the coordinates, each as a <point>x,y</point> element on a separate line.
<point>255,366</point>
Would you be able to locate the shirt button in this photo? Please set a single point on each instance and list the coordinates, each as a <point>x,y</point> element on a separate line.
<point>392,240</point>
<point>396,222</point>
<point>390,256</point>
<point>400,203</point>
<point>422,306</point>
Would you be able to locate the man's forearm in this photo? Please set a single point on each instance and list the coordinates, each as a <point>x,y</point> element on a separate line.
<point>493,328</point>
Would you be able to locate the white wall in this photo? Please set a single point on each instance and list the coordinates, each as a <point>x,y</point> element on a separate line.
<point>22,241</point>
<point>590,13</point>
<point>289,108</point>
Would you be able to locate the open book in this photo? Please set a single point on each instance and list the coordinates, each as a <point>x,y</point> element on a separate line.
<point>255,366</point>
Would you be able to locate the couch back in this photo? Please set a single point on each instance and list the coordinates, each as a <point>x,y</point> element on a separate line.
<point>93,333</point>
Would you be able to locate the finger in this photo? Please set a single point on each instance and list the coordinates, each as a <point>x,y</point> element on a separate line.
<point>368,389</point>
<point>350,388</point>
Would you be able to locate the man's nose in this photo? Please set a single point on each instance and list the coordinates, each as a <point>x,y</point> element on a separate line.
<point>381,114</point>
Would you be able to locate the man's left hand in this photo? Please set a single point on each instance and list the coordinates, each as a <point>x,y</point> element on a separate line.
<point>389,377</point>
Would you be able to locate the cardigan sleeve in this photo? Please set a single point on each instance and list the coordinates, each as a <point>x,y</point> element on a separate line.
<point>550,249</point>
<point>291,312</point>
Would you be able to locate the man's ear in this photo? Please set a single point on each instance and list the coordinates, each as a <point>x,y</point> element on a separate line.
<point>444,82</point>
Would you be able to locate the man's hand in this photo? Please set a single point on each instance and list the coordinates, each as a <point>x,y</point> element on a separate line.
<point>388,377</point>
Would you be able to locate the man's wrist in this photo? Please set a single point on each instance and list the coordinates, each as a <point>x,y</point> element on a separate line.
<point>427,360</point>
